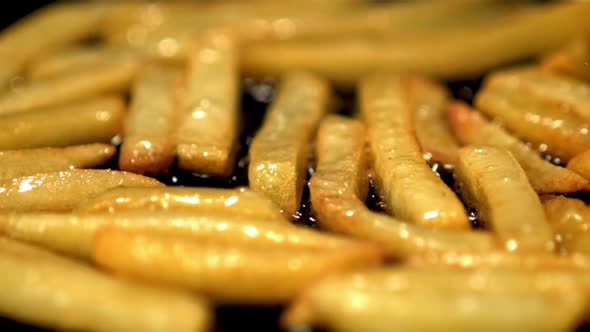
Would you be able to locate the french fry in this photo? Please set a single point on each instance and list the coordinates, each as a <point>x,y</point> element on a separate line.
<point>448,301</point>
<point>580,164</point>
<point>491,180</point>
<point>208,134</point>
<point>148,146</point>
<point>412,191</point>
<point>232,202</point>
<point>571,60</point>
<point>71,86</point>
<point>233,274</point>
<point>63,191</point>
<point>340,184</point>
<point>570,220</point>
<point>16,163</point>
<point>540,122</point>
<point>449,55</point>
<point>47,30</point>
<point>41,288</point>
<point>473,129</point>
<point>279,151</point>
<point>72,234</point>
<point>95,120</point>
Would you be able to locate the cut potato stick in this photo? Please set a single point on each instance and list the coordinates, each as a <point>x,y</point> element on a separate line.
<point>580,164</point>
<point>148,146</point>
<point>444,54</point>
<point>572,60</point>
<point>47,30</point>
<point>71,86</point>
<point>570,219</point>
<point>15,163</point>
<point>279,151</point>
<point>473,129</point>
<point>491,180</point>
<point>41,288</point>
<point>412,191</point>
<point>448,301</point>
<point>72,234</point>
<point>340,184</point>
<point>208,134</point>
<point>63,191</point>
<point>537,121</point>
<point>232,202</point>
<point>94,120</point>
<point>234,274</point>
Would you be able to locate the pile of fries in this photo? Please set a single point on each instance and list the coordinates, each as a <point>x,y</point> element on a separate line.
<point>93,249</point>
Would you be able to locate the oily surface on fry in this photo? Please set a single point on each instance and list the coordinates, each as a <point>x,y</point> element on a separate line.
<point>570,221</point>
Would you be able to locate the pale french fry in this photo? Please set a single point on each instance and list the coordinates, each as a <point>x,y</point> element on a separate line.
<point>63,191</point>
<point>491,180</point>
<point>95,120</point>
<point>234,274</point>
<point>353,302</point>
<point>570,220</point>
<point>41,288</point>
<point>208,134</point>
<point>571,60</point>
<point>72,234</point>
<point>76,85</point>
<point>540,122</point>
<point>580,164</point>
<point>444,54</point>
<point>47,30</point>
<point>232,202</point>
<point>412,191</point>
<point>16,163</point>
<point>340,184</point>
<point>148,146</point>
<point>473,129</point>
<point>279,151</point>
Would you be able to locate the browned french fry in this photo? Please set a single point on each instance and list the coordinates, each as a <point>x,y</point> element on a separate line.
<point>75,85</point>
<point>148,146</point>
<point>41,288</point>
<point>491,180</point>
<point>570,219</point>
<point>411,189</point>
<point>15,163</point>
<point>279,151</point>
<point>239,202</point>
<point>340,184</point>
<point>580,164</point>
<point>235,274</point>
<point>444,54</point>
<point>207,137</point>
<point>63,191</point>
<point>572,60</point>
<point>95,120</point>
<point>472,129</point>
<point>539,121</point>
<point>47,30</point>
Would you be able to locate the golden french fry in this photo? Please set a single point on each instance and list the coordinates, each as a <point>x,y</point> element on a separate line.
<point>571,60</point>
<point>580,164</point>
<point>340,184</point>
<point>412,191</point>
<point>230,273</point>
<point>491,180</point>
<point>15,163</point>
<point>540,122</point>
<point>472,129</point>
<point>443,54</point>
<point>570,219</point>
<point>47,30</point>
<point>439,300</point>
<point>75,85</point>
<point>41,288</point>
<point>279,151</point>
<point>208,134</point>
<point>148,146</point>
<point>63,191</point>
<point>239,202</point>
<point>72,234</point>
<point>95,120</point>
